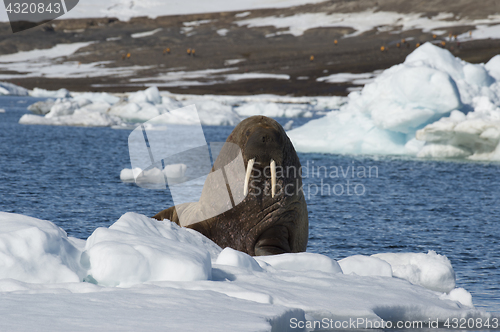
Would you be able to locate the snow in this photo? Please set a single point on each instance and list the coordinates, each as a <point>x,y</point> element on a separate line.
<point>481,31</point>
<point>140,273</point>
<point>432,105</point>
<point>231,62</point>
<point>60,50</point>
<point>12,89</point>
<point>55,63</point>
<point>358,79</point>
<point>137,249</point>
<point>124,9</point>
<point>256,76</point>
<point>365,266</point>
<point>303,261</point>
<point>36,251</point>
<point>145,34</point>
<point>429,270</point>
<point>222,32</point>
<point>362,22</point>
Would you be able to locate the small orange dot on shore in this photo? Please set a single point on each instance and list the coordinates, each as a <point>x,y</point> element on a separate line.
<point>403,41</point>
<point>128,55</point>
<point>335,41</point>
<point>382,48</point>
<point>311,58</point>
<point>434,36</point>
<point>418,44</point>
<point>398,45</point>
<point>188,51</point>
<point>443,43</point>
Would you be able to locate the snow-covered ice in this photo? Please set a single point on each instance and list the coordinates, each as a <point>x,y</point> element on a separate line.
<point>122,111</point>
<point>432,105</point>
<point>12,89</point>
<point>142,273</point>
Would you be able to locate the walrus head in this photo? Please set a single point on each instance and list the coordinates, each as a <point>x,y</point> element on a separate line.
<point>272,216</point>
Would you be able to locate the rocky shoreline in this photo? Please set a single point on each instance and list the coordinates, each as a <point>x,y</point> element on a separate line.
<point>152,51</point>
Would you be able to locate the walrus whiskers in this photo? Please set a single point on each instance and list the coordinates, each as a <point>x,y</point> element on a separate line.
<point>273,178</point>
<point>247,176</point>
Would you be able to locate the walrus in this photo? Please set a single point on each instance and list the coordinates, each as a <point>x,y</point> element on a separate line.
<point>272,216</point>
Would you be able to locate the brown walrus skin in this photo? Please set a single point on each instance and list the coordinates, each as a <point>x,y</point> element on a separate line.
<point>260,224</point>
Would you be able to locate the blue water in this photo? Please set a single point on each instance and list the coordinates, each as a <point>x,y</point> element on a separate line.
<point>70,176</point>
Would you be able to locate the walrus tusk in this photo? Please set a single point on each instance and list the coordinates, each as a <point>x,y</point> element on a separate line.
<point>247,176</point>
<point>273,178</point>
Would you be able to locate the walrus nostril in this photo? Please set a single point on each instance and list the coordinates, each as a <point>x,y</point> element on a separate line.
<point>266,139</point>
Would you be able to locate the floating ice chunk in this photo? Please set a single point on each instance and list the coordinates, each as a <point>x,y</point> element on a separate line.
<point>150,95</point>
<point>365,266</point>
<point>477,75</point>
<point>288,125</point>
<point>96,97</point>
<point>137,249</point>
<point>459,295</point>
<point>493,67</point>
<point>42,93</point>
<point>239,259</point>
<point>41,107</point>
<point>443,151</point>
<point>37,251</point>
<point>213,113</point>
<point>303,261</point>
<point>79,118</point>
<point>174,171</point>
<point>474,136</point>
<point>388,114</point>
<point>66,107</point>
<point>271,110</point>
<point>2,110</point>
<point>12,89</point>
<point>429,270</point>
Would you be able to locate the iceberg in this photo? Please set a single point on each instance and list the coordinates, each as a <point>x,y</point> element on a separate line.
<point>141,273</point>
<point>409,109</point>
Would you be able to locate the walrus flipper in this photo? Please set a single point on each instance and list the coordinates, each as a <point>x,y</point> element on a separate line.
<point>274,241</point>
<point>170,214</point>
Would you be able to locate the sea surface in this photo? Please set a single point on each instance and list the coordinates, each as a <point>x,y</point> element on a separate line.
<point>70,176</point>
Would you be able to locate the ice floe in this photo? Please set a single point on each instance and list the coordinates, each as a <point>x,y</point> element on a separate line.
<point>174,171</point>
<point>12,89</point>
<point>149,264</point>
<point>125,110</point>
<point>432,99</point>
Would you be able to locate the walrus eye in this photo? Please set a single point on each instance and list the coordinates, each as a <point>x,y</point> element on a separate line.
<point>248,133</point>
